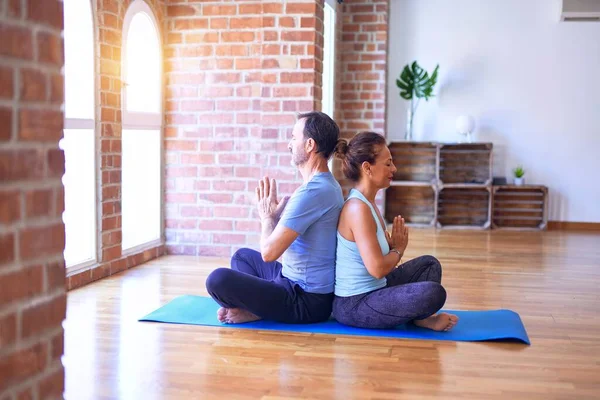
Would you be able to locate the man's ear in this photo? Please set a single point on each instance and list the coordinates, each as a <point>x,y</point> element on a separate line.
<point>310,145</point>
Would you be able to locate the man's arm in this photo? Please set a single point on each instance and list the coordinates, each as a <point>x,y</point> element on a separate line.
<point>275,239</point>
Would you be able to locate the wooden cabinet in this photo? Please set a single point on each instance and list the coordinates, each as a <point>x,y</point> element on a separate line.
<point>416,203</point>
<point>520,207</point>
<point>449,185</point>
<point>442,185</point>
<point>464,207</point>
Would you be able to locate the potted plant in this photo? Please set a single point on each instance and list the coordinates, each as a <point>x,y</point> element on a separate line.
<point>519,172</point>
<point>415,84</point>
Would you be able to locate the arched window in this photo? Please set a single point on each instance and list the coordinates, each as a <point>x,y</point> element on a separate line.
<point>78,142</point>
<point>142,126</point>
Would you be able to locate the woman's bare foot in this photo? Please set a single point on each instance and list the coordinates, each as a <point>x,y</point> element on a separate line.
<point>439,322</point>
<point>221,314</point>
<point>238,316</point>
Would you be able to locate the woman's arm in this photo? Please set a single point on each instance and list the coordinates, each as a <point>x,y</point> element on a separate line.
<point>357,224</point>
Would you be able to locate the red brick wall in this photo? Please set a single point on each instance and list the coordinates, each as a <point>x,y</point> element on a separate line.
<point>364,67</point>
<point>32,273</point>
<point>109,17</point>
<point>362,72</point>
<point>237,74</point>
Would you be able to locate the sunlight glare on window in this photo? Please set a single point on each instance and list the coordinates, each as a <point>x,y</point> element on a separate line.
<point>141,144</point>
<point>80,204</point>
<point>328,61</point>
<point>78,143</point>
<point>79,59</point>
<point>143,66</point>
<point>141,187</point>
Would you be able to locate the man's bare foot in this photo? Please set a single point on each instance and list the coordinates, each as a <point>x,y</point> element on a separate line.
<point>439,322</point>
<point>221,314</point>
<point>239,316</point>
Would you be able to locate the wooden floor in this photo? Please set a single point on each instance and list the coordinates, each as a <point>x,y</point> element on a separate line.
<point>552,279</point>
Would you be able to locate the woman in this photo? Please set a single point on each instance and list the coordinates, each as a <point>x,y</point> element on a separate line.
<point>371,290</point>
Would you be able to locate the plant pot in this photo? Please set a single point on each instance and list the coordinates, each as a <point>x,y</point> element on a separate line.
<point>519,181</point>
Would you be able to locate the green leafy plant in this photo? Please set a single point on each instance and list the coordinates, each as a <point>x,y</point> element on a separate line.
<point>519,172</point>
<point>415,84</point>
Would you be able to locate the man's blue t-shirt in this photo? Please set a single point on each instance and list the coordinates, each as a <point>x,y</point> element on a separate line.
<point>313,212</point>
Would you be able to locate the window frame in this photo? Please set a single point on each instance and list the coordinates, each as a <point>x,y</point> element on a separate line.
<point>332,42</point>
<point>140,120</point>
<point>93,124</point>
<point>144,120</point>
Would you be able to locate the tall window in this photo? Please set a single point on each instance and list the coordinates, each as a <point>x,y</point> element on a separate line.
<point>142,122</point>
<point>78,142</point>
<point>329,62</point>
<point>329,59</point>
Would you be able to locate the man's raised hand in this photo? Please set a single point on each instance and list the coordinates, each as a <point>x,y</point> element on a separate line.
<point>266,195</point>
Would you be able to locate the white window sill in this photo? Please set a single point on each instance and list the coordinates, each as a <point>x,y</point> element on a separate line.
<point>84,266</point>
<point>91,264</point>
<point>141,248</point>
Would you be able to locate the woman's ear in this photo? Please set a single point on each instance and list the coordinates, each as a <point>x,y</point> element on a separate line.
<point>366,168</point>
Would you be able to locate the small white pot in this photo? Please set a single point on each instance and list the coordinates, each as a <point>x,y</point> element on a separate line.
<point>519,181</point>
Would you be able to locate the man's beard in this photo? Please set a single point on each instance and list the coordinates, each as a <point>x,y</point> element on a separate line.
<point>299,159</point>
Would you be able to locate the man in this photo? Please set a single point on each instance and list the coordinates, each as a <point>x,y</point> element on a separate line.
<point>302,229</point>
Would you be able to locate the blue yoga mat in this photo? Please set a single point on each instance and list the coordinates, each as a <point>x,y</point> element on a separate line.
<point>472,326</point>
